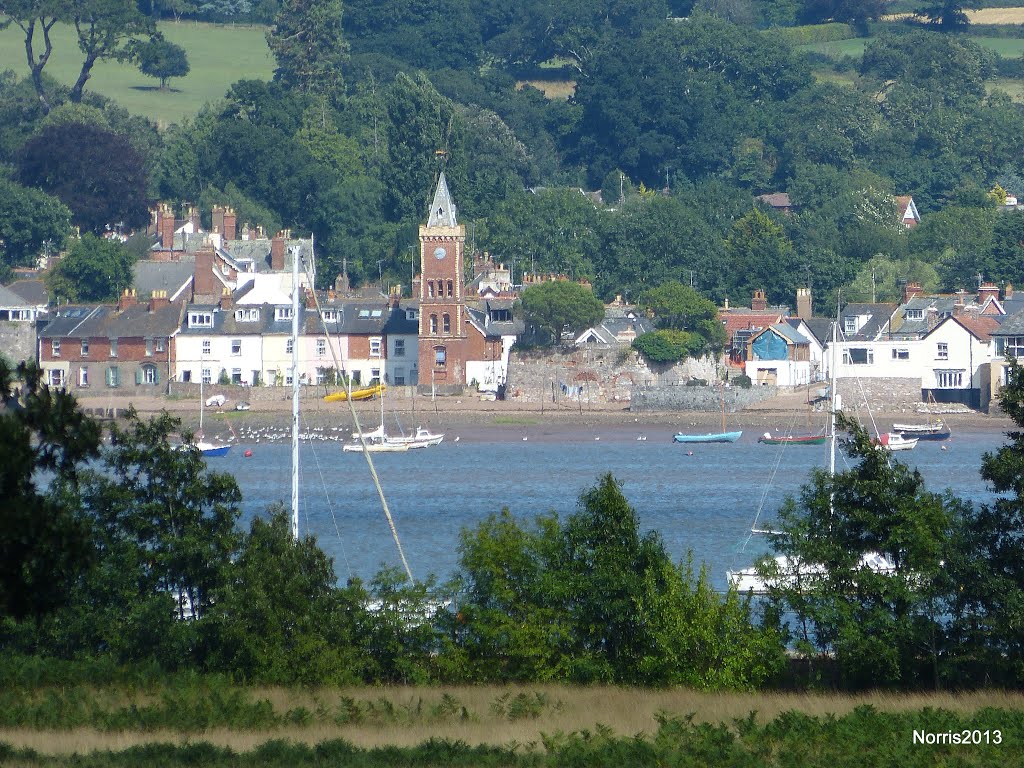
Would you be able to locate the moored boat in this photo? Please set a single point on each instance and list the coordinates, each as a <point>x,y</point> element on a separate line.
<point>712,437</point>
<point>935,430</point>
<point>893,441</point>
<point>768,439</point>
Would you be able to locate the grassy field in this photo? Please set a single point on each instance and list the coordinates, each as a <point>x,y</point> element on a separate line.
<point>997,16</point>
<point>1009,48</point>
<point>243,719</point>
<point>218,56</point>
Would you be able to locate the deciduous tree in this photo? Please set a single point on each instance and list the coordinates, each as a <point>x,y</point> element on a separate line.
<point>161,59</point>
<point>32,222</point>
<point>93,270</point>
<point>555,305</point>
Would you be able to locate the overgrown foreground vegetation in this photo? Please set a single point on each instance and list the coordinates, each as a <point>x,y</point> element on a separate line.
<point>210,722</point>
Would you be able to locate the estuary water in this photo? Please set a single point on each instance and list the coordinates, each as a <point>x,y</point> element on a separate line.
<point>700,498</point>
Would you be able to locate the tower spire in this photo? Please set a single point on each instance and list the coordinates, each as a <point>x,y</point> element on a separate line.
<point>442,210</point>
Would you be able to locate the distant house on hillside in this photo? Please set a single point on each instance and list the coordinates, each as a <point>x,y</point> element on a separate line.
<point>778,200</point>
<point>907,211</point>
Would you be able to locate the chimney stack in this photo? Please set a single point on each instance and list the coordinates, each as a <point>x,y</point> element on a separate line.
<point>166,218</point>
<point>277,252</point>
<point>1008,291</point>
<point>932,318</point>
<point>126,300</point>
<point>987,291</point>
<point>203,281</point>
<point>193,217</point>
<point>225,299</point>
<point>217,219</point>
<point>310,299</point>
<point>158,300</point>
<point>803,303</point>
<point>759,303</point>
<point>230,229</point>
<point>910,290</point>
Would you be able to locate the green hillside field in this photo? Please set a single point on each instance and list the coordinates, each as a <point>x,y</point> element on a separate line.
<point>218,55</point>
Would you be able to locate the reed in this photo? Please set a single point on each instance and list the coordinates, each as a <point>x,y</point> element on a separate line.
<point>369,718</point>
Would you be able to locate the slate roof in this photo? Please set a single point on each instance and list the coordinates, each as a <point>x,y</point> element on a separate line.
<point>749,319</point>
<point>9,298</point>
<point>257,252</point>
<point>104,320</point>
<point>788,332</point>
<point>1013,325</point>
<point>442,210</point>
<point>879,317</point>
<point>34,292</point>
<point>821,327</point>
<point>481,319</point>
<point>170,276</point>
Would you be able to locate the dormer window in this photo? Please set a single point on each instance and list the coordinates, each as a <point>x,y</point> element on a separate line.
<point>410,314</point>
<point>850,325</point>
<point>915,314</point>
<point>330,315</point>
<point>200,319</point>
<point>363,313</point>
<point>282,313</point>
<point>247,315</point>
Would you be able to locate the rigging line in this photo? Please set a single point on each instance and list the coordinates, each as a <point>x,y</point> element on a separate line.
<point>330,503</point>
<point>771,479</point>
<point>362,442</point>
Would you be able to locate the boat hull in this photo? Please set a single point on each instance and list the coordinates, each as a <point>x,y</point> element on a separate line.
<point>922,432</point>
<point>715,437</point>
<point>793,440</point>
<point>366,393</point>
<point>214,451</point>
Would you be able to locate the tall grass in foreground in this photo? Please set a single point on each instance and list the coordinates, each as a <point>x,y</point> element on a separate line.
<point>84,719</point>
<point>865,736</point>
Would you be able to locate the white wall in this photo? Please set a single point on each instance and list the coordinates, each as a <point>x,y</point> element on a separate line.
<point>884,364</point>
<point>964,353</point>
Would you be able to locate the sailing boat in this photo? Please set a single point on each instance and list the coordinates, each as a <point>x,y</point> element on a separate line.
<point>206,448</point>
<point>711,437</point>
<point>793,572</point>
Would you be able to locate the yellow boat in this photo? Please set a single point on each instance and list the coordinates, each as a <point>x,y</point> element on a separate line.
<point>363,393</point>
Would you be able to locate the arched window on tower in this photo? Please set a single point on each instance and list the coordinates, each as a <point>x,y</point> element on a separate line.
<point>447,323</point>
<point>433,324</point>
<point>450,289</point>
<point>430,288</point>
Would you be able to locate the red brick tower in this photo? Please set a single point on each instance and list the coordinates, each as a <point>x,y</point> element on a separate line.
<point>442,343</point>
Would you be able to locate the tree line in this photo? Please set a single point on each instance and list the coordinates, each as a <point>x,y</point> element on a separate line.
<point>129,551</point>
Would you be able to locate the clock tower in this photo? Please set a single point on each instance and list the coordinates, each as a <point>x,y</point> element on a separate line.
<point>443,324</point>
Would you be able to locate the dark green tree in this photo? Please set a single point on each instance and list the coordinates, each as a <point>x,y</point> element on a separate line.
<point>279,618</point>
<point>988,572</point>
<point>885,626</point>
<point>1005,260</point>
<point>33,222</point>
<point>104,29</point>
<point>96,173</point>
<point>948,14</point>
<point>762,257</point>
<point>161,59</point>
<point>45,543</point>
<point>94,269</point>
<point>555,305</point>
<point>682,308</point>
<point>309,45</point>
<point>668,345</point>
<point>591,599</point>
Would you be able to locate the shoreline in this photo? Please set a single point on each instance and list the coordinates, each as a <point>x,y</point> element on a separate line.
<point>781,414</point>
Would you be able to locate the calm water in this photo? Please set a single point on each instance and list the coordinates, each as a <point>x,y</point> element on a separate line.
<point>703,502</point>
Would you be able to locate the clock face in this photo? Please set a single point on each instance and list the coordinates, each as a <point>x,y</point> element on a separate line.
<point>439,253</point>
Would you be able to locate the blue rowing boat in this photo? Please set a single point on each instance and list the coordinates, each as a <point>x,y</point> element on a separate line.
<point>713,437</point>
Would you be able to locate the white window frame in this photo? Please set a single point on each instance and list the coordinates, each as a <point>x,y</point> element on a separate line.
<point>375,346</point>
<point>85,347</point>
<point>200,319</point>
<point>398,348</point>
<point>321,347</point>
<point>55,377</point>
<point>149,374</point>
<point>915,314</point>
<point>288,346</point>
<point>83,376</point>
<point>953,379</point>
<point>236,347</point>
<point>207,347</point>
<point>942,351</point>
<point>207,375</point>
<point>55,347</point>
<point>282,313</point>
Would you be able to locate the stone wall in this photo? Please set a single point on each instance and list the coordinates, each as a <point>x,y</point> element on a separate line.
<point>878,394</point>
<point>596,375</point>
<point>683,398</point>
<point>17,341</point>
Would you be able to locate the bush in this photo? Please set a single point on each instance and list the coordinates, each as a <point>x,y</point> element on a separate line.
<point>742,381</point>
<point>664,346</point>
<point>816,33</point>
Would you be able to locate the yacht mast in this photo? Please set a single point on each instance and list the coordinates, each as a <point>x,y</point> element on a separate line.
<point>295,393</point>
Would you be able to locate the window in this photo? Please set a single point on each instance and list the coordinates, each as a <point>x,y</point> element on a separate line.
<point>55,347</point>
<point>433,325</point>
<point>900,354</point>
<point>55,377</point>
<point>321,347</point>
<point>200,319</point>
<point>147,374</point>
<point>83,376</point>
<point>364,313</point>
<point>399,377</point>
<point>915,314</point>
<point>446,323</point>
<point>849,325</point>
<point>288,347</point>
<point>377,313</point>
<point>207,346</point>
<point>247,315</point>
<point>149,347</point>
<point>375,374</point>
<point>85,347</point>
<point>375,346</point>
<point>942,351</point>
<point>858,356</point>
<point>236,375</point>
<point>186,376</point>
<point>207,376</point>
<point>440,357</point>
<point>430,288</point>
<point>282,313</point>
<point>399,348</point>
<point>161,344</point>
<point>330,315</point>
<point>949,379</point>
<point>236,347</point>
<point>501,315</point>
<point>113,347</point>
<point>411,314</point>
<point>450,289</point>
<point>113,376</point>
<point>1010,346</point>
